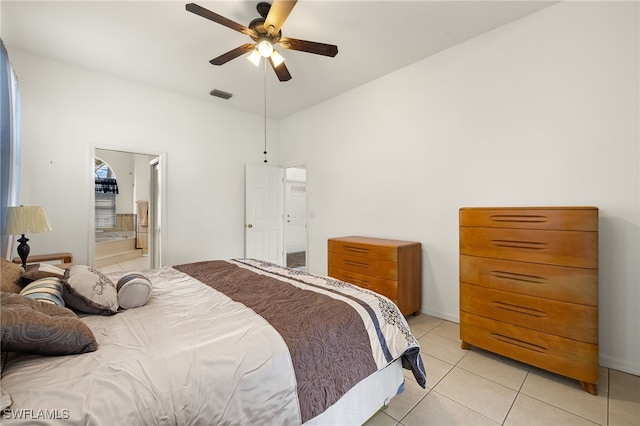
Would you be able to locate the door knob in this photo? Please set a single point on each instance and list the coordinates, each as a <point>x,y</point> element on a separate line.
<point>249,226</point>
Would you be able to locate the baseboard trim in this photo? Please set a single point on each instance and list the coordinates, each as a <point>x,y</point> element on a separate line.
<point>620,365</point>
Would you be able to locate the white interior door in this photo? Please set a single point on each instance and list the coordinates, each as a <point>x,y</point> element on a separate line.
<point>264,218</point>
<point>155,223</point>
<point>296,217</point>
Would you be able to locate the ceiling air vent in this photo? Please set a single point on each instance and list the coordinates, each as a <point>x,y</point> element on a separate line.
<point>220,94</point>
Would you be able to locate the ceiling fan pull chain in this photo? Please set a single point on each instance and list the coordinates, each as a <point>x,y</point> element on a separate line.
<point>265,110</point>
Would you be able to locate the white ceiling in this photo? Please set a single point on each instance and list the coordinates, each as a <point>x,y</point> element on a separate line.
<point>161,44</point>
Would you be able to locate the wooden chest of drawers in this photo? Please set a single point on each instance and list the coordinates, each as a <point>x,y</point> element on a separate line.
<point>529,286</point>
<point>392,268</point>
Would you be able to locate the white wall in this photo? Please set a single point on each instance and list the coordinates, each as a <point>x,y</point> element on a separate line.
<point>67,110</point>
<point>543,111</point>
<point>142,179</point>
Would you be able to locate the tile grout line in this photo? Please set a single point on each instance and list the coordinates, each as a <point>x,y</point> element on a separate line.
<point>569,411</point>
<point>431,389</point>
<point>492,381</point>
<point>518,392</point>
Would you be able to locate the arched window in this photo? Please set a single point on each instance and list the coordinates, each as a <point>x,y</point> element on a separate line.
<point>102,169</point>
<point>106,188</point>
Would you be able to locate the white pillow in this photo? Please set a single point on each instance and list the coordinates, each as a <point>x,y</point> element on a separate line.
<point>134,290</point>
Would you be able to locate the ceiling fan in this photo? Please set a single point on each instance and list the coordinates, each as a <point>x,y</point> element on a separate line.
<point>265,33</point>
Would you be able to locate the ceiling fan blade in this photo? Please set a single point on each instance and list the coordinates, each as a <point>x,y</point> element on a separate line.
<point>281,71</point>
<point>232,54</point>
<point>309,46</point>
<point>205,13</point>
<point>280,10</point>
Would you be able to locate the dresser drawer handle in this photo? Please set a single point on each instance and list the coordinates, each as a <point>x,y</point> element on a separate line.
<point>531,245</point>
<point>357,281</point>
<point>519,277</point>
<point>356,264</point>
<point>519,309</point>
<point>353,249</point>
<point>525,218</point>
<point>520,343</point>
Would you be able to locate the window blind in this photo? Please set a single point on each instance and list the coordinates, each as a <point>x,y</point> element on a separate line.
<point>105,210</point>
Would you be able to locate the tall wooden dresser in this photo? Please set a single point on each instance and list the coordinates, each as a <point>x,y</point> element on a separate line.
<point>392,268</point>
<point>529,286</point>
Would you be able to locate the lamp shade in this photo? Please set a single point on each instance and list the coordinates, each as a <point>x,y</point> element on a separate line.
<point>276,58</point>
<point>254,57</point>
<point>26,220</point>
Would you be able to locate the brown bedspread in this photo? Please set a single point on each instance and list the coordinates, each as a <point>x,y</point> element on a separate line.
<point>327,340</point>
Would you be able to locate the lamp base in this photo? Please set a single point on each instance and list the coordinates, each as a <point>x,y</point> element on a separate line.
<point>23,250</point>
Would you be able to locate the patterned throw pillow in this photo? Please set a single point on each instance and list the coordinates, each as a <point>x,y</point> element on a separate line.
<point>134,290</point>
<point>47,290</point>
<point>9,275</point>
<point>42,328</point>
<point>89,290</point>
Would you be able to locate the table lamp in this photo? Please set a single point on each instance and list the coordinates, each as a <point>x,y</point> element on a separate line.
<point>23,220</point>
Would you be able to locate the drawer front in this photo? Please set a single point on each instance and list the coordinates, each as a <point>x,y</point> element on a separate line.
<point>563,219</point>
<point>566,248</point>
<point>364,265</point>
<point>570,358</point>
<point>575,285</point>
<point>387,288</point>
<point>353,248</point>
<point>578,322</point>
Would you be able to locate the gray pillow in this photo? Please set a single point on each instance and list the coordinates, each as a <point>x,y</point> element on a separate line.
<point>89,290</point>
<point>134,290</point>
<point>42,328</point>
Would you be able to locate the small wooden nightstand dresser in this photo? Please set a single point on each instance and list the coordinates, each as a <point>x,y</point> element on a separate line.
<point>65,259</point>
<point>529,286</point>
<point>392,268</point>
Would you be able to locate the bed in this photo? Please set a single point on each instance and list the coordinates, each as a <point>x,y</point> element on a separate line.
<point>225,342</point>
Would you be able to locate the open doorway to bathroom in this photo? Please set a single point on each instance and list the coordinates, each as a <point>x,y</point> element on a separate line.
<point>296,217</point>
<point>122,209</point>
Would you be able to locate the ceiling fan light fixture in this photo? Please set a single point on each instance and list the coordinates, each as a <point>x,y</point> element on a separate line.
<point>265,32</point>
<point>276,58</point>
<point>254,57</point>
<point>265,48</point>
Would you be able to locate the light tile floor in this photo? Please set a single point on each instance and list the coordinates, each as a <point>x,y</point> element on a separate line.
<point>477,387</point>
<point>137,264</point>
